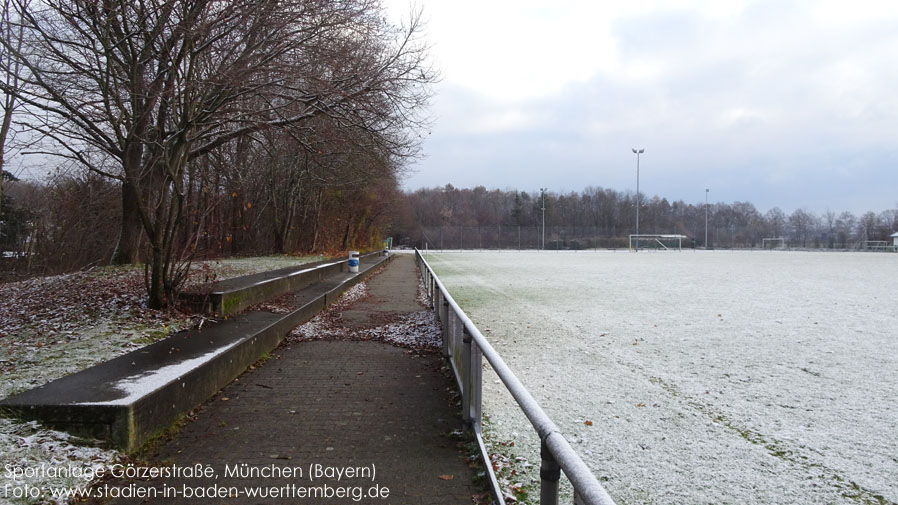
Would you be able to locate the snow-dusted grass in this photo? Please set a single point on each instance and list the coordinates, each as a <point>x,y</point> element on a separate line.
<point>228,268</point>
<point>707,377</point>
<point>29,447</point>
<point>54,326</point>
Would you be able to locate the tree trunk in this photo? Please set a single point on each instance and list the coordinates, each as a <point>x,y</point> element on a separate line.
<point>315,226</point>
<point>156,289</point>
<point>127,250</point>
<point>236,223</point>
<point>347,234</point>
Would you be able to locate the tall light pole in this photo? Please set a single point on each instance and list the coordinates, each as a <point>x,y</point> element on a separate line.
<point>637,153</point>
<point>706,218</point>
<point>542,192</point>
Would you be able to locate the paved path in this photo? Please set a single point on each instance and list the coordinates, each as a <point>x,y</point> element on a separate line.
<point>349,406</point>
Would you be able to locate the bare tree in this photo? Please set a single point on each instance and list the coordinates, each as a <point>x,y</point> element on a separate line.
<point>830,218</point>
<point>802,224</point>
<point>845,228</point>
<point>11,35</point>
<point>136,90</point>
<point>866,226</point>
<point>776,219</point>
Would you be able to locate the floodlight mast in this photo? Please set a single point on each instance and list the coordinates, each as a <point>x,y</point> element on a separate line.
<point>706,217</point>
<point>542,192</point>
<point>637,153</point>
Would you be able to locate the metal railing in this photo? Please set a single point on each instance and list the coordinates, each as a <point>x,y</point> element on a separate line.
<point>464,346</point>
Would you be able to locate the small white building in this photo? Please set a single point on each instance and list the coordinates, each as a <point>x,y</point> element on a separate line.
<point>895,239</point>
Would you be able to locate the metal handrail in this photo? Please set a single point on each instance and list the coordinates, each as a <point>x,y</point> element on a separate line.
<point>556,453</point>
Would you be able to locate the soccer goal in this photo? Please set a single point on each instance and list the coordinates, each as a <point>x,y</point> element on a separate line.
<point>656,242</point>
<point>876,245</point>
<point>773,243</point>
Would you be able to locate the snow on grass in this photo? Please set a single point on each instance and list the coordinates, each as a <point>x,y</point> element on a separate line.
<point>54,326</point>
<point>26,447</point>
<point>708,377</point>
<point>227,268</point>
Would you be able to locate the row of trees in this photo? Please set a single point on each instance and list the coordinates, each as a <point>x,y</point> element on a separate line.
<point>605,217</point>
<point>220,125</point>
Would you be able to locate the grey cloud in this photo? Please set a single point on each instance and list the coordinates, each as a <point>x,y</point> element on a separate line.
<point>778,126</point>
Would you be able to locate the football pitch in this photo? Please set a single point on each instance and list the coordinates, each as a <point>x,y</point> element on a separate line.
<point>697,377</point>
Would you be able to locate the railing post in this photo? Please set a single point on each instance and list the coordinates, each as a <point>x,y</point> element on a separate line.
<point>450,334</point>
<point>465,357</point>
<point>549,475</point>
<point>454,334</point>
<point>433,291</point>
<point>475,374</point>
<point>444,322</point>
<point>466,376</point>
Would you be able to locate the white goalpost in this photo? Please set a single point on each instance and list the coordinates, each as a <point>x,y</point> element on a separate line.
<point>773,241</point>
<point>876,245</point>
<point>656,242</point>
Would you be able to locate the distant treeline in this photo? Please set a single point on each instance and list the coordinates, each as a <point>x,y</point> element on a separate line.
<point>73,221</point>
<point>601,217</point>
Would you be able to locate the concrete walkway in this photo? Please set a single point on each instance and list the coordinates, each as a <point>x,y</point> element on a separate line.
<point>367,415</point>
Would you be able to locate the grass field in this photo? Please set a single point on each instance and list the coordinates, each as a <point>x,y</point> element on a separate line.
<point>53,326</point>
<point>707,377</point>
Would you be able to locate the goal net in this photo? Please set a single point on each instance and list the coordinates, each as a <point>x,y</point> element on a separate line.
<point>876,245</point>
<point>773,243</point>
<point>655,242</point>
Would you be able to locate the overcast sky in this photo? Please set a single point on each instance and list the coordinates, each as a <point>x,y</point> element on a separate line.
<point>780,103</point>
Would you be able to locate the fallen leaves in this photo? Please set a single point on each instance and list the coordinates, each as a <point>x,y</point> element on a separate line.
<point>587,422</point>
<point>508,472</point>
<point>419,332</point>
<point>481,498</point>
<point>283,304</point>
<point>61,305</point>
<point>56,325</point>
<point>446,477</point>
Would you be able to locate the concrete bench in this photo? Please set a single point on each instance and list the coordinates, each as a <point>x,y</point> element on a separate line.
<point>129,399</point>
<point>232,296</point>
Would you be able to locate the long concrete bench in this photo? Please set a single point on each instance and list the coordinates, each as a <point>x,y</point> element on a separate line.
<point>232,296</point>
<point>130,399</point>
